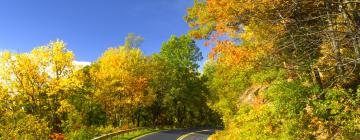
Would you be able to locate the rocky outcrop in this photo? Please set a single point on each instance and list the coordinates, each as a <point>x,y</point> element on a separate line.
<point>252,95</point>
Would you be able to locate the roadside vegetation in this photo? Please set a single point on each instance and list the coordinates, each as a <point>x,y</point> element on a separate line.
<point>282,69</point>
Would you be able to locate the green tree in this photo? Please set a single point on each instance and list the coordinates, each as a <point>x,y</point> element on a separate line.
<point>179,88</point>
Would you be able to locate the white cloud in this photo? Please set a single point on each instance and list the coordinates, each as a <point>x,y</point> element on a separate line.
<point>82,63</point>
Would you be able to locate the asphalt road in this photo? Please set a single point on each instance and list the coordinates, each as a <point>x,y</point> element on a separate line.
<point>199,135</point>
<point>175,134</point>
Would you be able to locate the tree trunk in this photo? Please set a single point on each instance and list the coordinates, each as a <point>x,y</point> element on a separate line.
<point>333,41</point>
<point>138,117</point>
<point>318,78</point>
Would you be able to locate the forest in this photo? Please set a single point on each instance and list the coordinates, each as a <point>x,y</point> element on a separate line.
<point>44,93</point>
<point>278,69</point>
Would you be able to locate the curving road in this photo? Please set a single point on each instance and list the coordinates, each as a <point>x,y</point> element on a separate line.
<point>187,134</point>
<point>198,135</point>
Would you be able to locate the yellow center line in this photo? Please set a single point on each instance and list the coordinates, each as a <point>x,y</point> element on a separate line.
<point>188,134</point>
<point>138,137</point>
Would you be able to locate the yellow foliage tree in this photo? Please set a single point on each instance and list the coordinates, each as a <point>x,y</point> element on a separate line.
<point>121,82</point>
<point>39,80</point>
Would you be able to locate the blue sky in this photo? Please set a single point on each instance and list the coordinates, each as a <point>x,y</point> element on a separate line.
<point>89,27</point>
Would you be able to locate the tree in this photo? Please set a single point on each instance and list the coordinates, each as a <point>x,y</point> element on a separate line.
<point>300,35</point>
<point>178,85</point>
<point>38,81</point>
<point>133,41</point>
<point>120,81</point>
